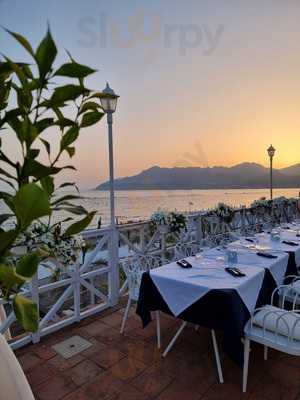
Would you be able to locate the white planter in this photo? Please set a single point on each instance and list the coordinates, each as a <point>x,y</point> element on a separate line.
<point>13,382</point>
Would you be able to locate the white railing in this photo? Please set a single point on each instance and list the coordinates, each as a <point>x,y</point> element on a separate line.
<point>92,285</point>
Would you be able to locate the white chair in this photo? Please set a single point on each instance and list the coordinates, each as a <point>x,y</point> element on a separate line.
<point>186,249</point>
<point>274,327</point>
<point>290,293</point>
<point>134,267</point>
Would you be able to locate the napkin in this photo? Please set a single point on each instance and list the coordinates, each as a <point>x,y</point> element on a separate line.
<point>266,255</point>
<point>290,243</point>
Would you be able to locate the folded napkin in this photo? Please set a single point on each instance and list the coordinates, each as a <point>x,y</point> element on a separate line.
<point>290,243</point>
<point>266,255</point>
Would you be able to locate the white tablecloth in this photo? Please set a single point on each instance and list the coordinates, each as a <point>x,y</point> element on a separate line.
<point>277,266</point>
<point>266,241</point>
<point>181,287</point>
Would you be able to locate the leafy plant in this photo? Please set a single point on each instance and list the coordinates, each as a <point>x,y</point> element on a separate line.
<point>31,103</point>
<point>173,220</point>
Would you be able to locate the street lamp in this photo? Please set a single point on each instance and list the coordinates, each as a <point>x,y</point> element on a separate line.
<point>271,153</point>
<point>108,102</point>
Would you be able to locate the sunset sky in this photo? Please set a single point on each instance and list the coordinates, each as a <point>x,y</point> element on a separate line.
<point>210,82</point>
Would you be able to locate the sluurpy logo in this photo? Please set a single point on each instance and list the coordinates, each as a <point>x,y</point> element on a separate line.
<point>195,158</point>
<point>149,33</point>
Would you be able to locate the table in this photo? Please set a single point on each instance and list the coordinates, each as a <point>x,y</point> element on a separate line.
<point>214,299</point>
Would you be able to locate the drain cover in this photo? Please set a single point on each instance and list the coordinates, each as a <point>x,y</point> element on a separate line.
<point>72,346</point>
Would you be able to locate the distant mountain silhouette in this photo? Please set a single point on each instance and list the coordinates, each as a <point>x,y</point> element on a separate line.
<point>245,175</point>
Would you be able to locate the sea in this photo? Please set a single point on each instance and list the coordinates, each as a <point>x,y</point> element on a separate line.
<point>138,205</point>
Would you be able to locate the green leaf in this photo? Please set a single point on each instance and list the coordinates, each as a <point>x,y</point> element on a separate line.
<point>5,71</point>
<point>44,124</point>
<point>91,118</point>
<point>45,54</point>
<point>89,105</point>
<point>8,200</point>
<point>66,184</point>
<point>63,122</point>
<point>27,265</point>
<point>17,69</point>
<point>77,210</point>
<point>7,174</point>
<point>7,239</point>
<point>79,226</point>
<point>9,183</point>
<point>37,170</point>
<point>33,153</point>
<point>65,198</point>
<point>4,94</point>
<point>31,202</point>
<point>66,93</point>
<point>9,277</point>
<point>69,137</point>
<point>23,41</point>
<point>47,145</point>
<point>74,70</point>
<point>26,312</point>
<point>71,151</point>
<point>48,184</point>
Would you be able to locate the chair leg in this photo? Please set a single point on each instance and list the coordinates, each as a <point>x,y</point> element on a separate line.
<point>246,363</point>
<point>158,329</point>
<point>217,356</point>
<point>170,345</point>
<point>265,353</point>
<point>125,315</point>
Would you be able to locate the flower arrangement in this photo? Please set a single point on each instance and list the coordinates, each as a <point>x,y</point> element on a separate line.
<point>224,212</point>
<point>262,204</point>
<point>53,243</point>
<point>173,220</point>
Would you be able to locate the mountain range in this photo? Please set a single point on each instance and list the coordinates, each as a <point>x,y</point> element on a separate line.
<point>246,175</point>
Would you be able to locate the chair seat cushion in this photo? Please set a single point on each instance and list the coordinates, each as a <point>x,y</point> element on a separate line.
<point>268,318</point>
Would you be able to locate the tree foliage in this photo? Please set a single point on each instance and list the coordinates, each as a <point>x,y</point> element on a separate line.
<point>31,102</point>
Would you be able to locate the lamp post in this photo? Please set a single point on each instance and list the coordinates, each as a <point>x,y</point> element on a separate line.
<point>108,102</point>
<point>271,153</point>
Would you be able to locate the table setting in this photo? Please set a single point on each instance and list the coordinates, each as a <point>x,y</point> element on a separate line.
<point>205,291</point>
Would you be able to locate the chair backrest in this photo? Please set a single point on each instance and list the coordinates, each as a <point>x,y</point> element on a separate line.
<point>186,249</point>
<point>134,267</point>
<point>281,322</point>
<point>288,296</point>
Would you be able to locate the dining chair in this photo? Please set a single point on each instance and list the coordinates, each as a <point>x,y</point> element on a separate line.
<point>274,327</point>
<point>186,249</point>
<point>290,293</point>
<point>134,267</point>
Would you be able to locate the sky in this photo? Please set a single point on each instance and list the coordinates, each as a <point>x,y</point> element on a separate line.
<point>201,83</point>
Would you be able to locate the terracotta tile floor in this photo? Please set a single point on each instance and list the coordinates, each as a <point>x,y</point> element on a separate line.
<point>129,367</point>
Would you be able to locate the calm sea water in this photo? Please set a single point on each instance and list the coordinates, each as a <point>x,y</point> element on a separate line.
<point>139,205</point>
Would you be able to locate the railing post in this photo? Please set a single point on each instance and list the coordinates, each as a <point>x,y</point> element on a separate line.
<point>113,262</point>
<point>34,284</point>
<point>76,291</point>
<point>243,220</point>
<point>198,223</point>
